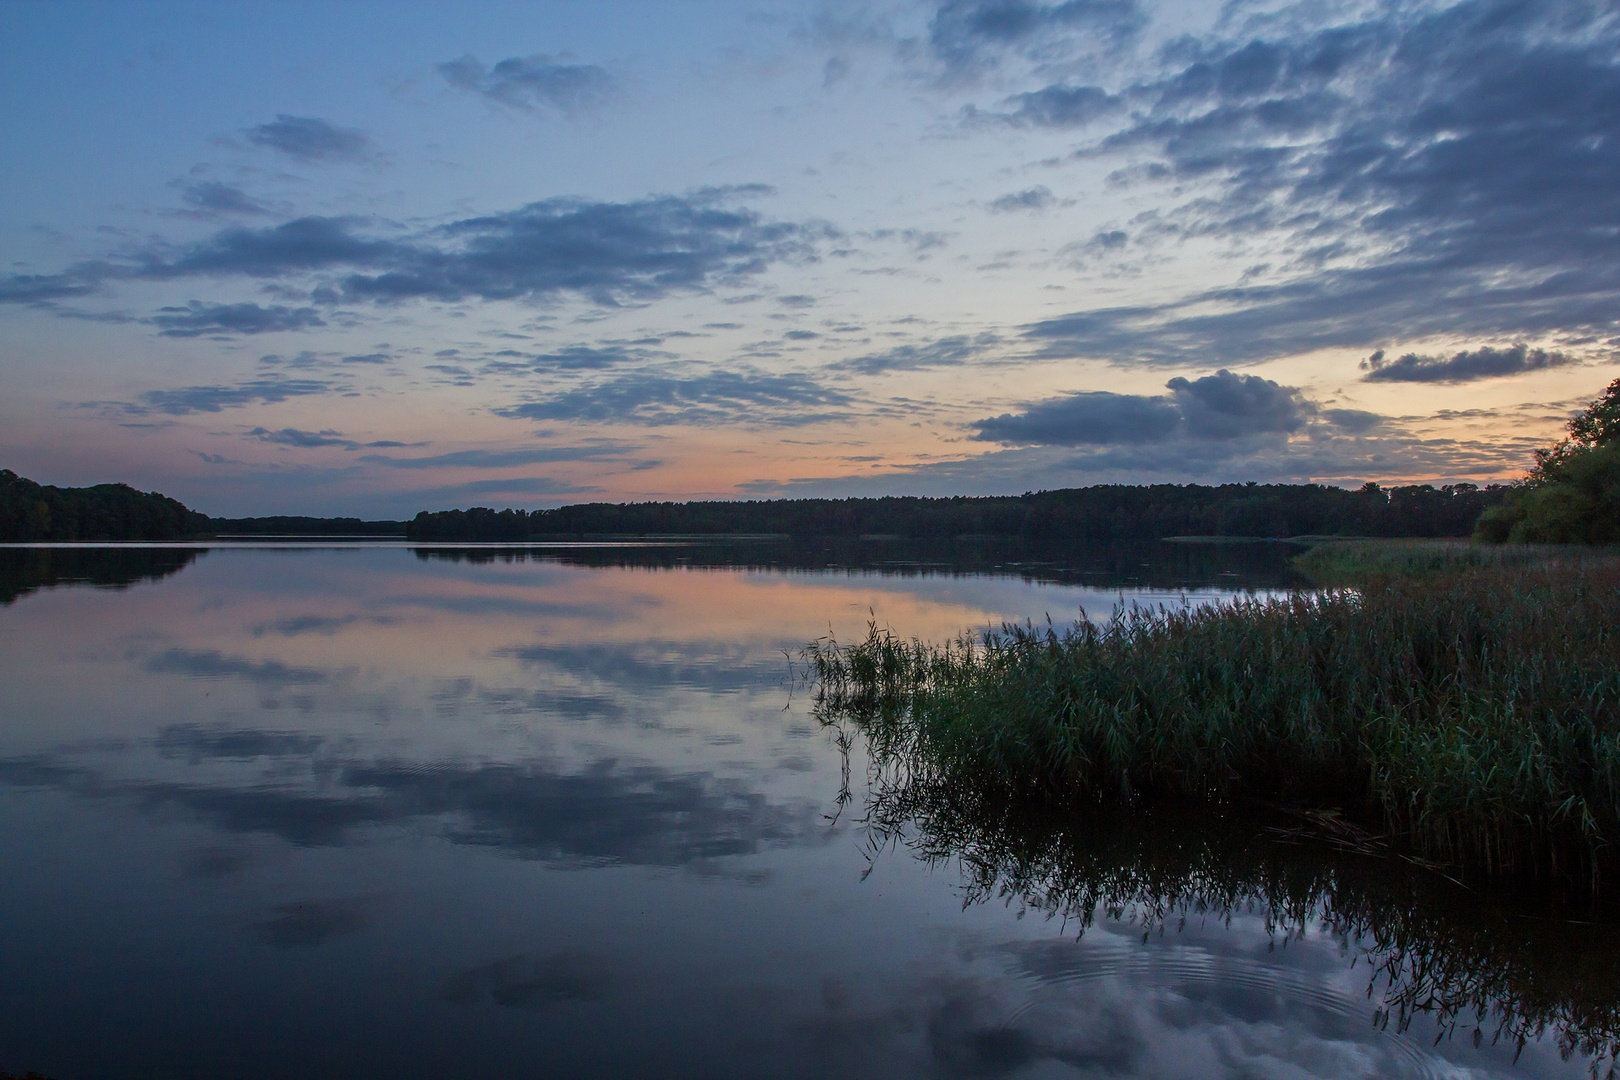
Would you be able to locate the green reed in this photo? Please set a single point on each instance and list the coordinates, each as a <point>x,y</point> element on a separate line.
<point>1471,717</point>
<point>1343,562</point>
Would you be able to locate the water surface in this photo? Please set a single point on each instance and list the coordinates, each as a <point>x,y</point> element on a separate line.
<point>374,810</point>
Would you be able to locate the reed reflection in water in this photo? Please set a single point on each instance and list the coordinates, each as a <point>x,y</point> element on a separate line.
<point>1504,966</point>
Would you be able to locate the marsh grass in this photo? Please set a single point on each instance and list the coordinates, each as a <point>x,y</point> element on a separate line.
<point>1470,718</point>
<point>1350,562</point>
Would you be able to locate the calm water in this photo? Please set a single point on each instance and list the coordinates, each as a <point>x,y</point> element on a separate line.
<point>372,811</point>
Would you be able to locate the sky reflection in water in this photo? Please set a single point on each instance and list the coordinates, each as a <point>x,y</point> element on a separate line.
<point>375,812</point>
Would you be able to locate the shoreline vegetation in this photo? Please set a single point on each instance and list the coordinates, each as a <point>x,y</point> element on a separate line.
<point>1460,702</point>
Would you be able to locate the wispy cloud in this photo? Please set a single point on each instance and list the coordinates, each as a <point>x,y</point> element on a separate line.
<point>608,252</point>
<point>662,398</point>
<point>950,351</point>
<point>533,83</point>
<point>310,139</point>
<point>198,318</point>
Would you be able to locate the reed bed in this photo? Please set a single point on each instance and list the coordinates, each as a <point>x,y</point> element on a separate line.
<point>1346,562</point>
<point>1470,717</point>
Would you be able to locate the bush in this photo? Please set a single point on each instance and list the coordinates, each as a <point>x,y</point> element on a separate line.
<point>1572,495</point>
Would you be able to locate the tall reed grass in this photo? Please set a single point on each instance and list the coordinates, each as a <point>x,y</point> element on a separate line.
<point>1472,717</point>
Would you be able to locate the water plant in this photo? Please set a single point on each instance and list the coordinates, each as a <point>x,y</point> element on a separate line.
<point>1470,718</point>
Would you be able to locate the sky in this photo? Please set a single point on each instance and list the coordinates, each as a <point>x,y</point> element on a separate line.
<point>378,258</point>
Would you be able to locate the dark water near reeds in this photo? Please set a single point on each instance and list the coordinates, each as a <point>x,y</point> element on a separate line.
<point>376,811</point>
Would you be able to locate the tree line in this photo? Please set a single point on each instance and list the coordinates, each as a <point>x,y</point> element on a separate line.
<point>1104,512</point>
<point>42,512</point>
<point>36,512</point>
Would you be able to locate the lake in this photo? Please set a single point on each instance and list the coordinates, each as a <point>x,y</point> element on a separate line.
<point>375,810</point>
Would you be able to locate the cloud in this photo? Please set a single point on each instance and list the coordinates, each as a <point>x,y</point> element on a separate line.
<point>946,352</point>
<point>1055,107</point>
<point>636,250</point>
<point>1427,171</point>
<point>1095,417</point>
<point>1035,198</point>
<point>1229,406</point>
<point>194,399</point>
<point>208,198</point>
<point>1353,421</point>
<point>655,398</point>
<point>308,439</point>
<point>197,319</point>
<point>967,35</point>
<point>309,139</point>
<point>1221,406</point>
<point>1482,363</point>
<point>589,357</point>
<point>532,83</point>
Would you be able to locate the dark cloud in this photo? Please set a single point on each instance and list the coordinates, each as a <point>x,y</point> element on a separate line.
<point>657,398</point>
<point>1482,363</point>
<point>303,439</point>
<point>606,251</point>
<point>1431,171</point>
<point>1035,198</point>
<point>211,197</point>
<point>1097,418</point>
<point>1221,406</point>
<point>197,319</point>
<point>1056,107</point>
<point>1230,406</point>
<point>195,399</point>
<point>533,83</point>
<point>588,357</point>
<point>1353,421</point>
<point>968,34</point>
<point>310,139</point>
<point>945,352</point>
<point>82,280</point>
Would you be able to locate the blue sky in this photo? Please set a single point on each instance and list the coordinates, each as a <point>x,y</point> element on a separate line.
<point>372,259</point>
